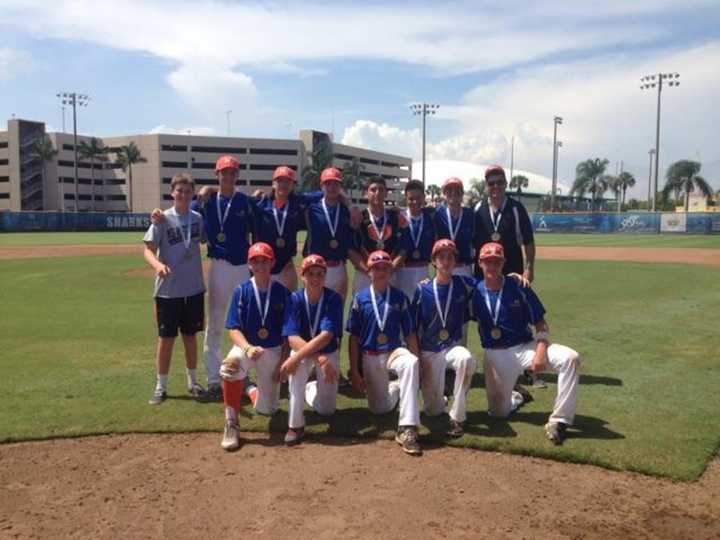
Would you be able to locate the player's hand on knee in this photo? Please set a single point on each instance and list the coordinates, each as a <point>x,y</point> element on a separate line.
<point>328,370</point>
<point>357,382</point>
<point>287,368</point>
<point>231,365</point>
<point>156,216</point>
<point>255,352</point>
<point>539,363</point>
<point>521,280</point>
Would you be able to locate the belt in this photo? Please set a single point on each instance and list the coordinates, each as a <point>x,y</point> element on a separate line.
<point>418,264</point>
<point>332,264</point>
<point>374,352</point>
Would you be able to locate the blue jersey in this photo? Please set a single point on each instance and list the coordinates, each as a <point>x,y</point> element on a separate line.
<point>363,324</point>
<point>266,230</point>
<point>426,240</point>
<point>331,317</point>
<point>244,313</point>
<point>519,308</point>
<point>319,239</point>
<point>428,322</point>
<point>236,228</point>
<point>463,238</point>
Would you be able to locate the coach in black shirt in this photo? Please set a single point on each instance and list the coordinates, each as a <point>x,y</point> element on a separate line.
<point>502,219</point>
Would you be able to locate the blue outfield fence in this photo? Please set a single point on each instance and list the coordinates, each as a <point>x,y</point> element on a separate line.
<point>71,221</point>
<point>628,223</point>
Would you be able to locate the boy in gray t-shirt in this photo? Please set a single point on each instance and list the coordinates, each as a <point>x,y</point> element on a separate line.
<point>172,249</point>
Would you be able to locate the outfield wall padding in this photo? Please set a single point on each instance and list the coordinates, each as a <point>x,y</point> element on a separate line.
<point>628,223</point>
<point>71,221</point>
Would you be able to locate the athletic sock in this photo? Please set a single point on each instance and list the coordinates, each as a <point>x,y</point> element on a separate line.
<point>232,394</point>
<point>191,377</point>
<point>162,381</point>
<point>252,392</point>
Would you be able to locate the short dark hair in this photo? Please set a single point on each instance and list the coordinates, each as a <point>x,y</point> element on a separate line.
<point>414,185</point>
<point>375,180</point>
<point>182,178</point>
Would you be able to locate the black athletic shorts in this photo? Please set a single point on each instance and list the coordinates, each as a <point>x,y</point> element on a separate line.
<point>187,314</point>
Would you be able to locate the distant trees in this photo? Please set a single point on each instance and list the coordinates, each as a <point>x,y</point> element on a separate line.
<point>590,178</point>
<point>94,151</point>
<point>352,175</point>
<point>434,192</point>
<point>42,149</point>
<point>476,192</point>
<point>682,178</point>
<point>518,182</point>
<point>321,158</point>
<point>127,156</point>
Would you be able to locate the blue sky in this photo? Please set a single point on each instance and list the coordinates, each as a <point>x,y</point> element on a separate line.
<point>497,69</point>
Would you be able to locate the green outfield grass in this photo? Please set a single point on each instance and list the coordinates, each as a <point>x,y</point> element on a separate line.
<point>78,340</point>
<point>69,238</point>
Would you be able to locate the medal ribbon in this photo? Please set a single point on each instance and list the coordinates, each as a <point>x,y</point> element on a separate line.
<point>416,238</point>
<point>280,224</point>
<point>443,313</point>
<point>495,316</point>
<point>331,226</point>
<point>263,310</point>
<point>225,215</point>
<point>313,324</point>
<point>453,231</point>
<point>377,230</point>
<point>496,223</point>
<point>380,322</point>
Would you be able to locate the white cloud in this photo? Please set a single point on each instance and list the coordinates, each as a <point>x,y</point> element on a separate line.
<point>198,130</point>
<point>380,136</point>
<point>14,62</point>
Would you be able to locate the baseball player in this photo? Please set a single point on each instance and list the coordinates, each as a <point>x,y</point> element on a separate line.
<point>504,312</point>
<point>440,310</point>
<point>172,249</point>
<point>380,228</point>
<point>313,327</point>
<point>330,234</point>
<point>379,318</point>
<point>419,239</point>
<point>455,221</point>
<point>254,318</point>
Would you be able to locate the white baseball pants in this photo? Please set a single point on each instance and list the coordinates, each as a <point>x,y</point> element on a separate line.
<point>407,279</point>
<point>503,366</point>
<point>265,369</point>
<point>432,384</point>
<point>223,277</point>
<point>336,279</point>
<point>318,394</point>
<point>383,394</point>
<point>360,281</point>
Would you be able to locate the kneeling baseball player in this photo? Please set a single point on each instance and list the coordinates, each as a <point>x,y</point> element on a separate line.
<point>255,319</point>
<point>379,317</point>
<point>313,327</point>
<point>504,312</point>
<point>440,311</point>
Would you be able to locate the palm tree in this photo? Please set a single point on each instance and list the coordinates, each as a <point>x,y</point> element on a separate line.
<point>351,173</point>
<point>127,156</point>
<point>42,149</point>
<point>613,183</point>
<point>519,182</point>
<point>625,180</point>
<point>321,158</point>
<point>433,191</point>
<point>682,176</point>
<point>94,151</point>
<point>476,192</point>
<point>591,177</point>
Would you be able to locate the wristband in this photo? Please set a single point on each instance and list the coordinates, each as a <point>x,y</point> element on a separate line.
<point>543,336</point>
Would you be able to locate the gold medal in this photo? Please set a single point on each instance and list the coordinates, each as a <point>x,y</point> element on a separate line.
<point>280,242</point>
<point>221,236</point>
<point>382,339</point>
<point>495,237</point>
<point>496,333</point>
<point>416,254</point>
<point>444,335</point>
<point>263,333</point>
<point>334,244</point>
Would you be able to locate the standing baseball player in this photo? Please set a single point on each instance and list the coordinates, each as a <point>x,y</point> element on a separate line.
<point>419,239</point>
<point>505,312</point>
<point>172,249</point>
<point>254,319</point>
<point>313,328</point>
<point>455,222</point>
<point>381,228</point>
<point>379,318</point>
<point>440,310</point>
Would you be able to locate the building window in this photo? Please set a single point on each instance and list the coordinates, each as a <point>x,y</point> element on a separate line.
<point>98,182</point>
<point>369,161</point>
<point>116,197</point>
<point>99,197</point>
<point>85,198</point>
<point>202,165</point>
<point>167,197</point>
<point>347,157</point>
<point>66,180</point>
<point>218,149</point>
<point>111,166</point>
<point>4,195</point>
<point>3,144</point>
<point>68,147</point>
<point>175,164</point>
<point>261,182</point>
<point>167,180</point>
<point>388,164</point>
<point>115,182</point>
<point>174,148</point>
<point>86,181</point>
<point>3,161</point>
<point>4,178</point>
<point>69,197</point>
<point>265,167</point>
<point>65,163</point>
<point>205,182</point>
<point>273,151</point>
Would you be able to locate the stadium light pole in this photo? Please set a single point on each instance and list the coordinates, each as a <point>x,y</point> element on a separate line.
<point>656,81</point>
<point>556,190</point>
<point>423,109</point>
<point>76,100</point>
<point>227,114</point>
<point>556,120</point>
<point>651,152</point>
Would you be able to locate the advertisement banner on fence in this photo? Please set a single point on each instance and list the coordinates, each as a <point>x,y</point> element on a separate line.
<point>674,222</point>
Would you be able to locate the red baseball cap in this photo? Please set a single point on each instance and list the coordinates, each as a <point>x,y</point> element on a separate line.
<point>226,162</point>
<point>452,181</point>
<point>442,244</point>
<point>492,250</point>
<point>331,174</point>
<point>261,249</point>
<point>494,170</point>
<point>284,172</point>
<point>313,260</point>
<point>378,257</point>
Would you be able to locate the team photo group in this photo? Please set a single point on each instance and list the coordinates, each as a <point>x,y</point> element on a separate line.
<point>423,278</point>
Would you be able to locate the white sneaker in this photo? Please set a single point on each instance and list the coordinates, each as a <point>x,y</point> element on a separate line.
<point>231,436</point>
